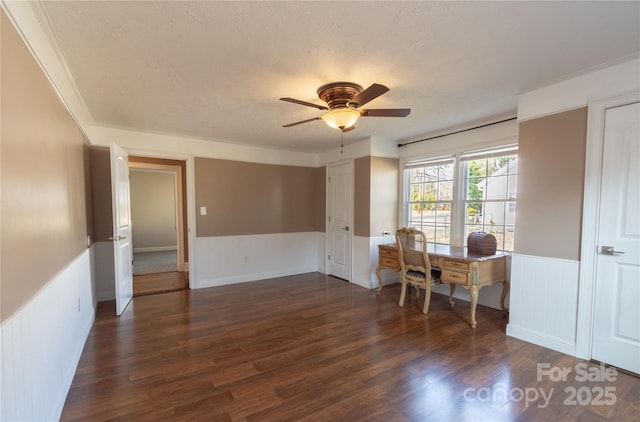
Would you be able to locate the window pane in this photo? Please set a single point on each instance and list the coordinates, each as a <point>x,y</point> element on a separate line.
<point>445,191</point>
<point>473,212</point>
<point>490,198</point>
<point>475,188</point>
<point>496,188</point>
<point>430,200</point>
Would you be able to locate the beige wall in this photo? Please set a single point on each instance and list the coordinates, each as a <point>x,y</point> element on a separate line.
<point>550,185</point>
<point>101,187</point>
<point>375,196</point>
<point>43,180</point>
<point>248,198</point>
<point>384,195</point>
<point>153,209</point>
<point>362,196</point>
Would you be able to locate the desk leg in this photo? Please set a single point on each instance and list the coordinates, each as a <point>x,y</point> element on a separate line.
<point>474,302</point>
<point>379,279</point>
<point>452,289</point>
<point>505,290</point>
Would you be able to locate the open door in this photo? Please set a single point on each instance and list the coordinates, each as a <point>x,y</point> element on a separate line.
<point>122,245</point>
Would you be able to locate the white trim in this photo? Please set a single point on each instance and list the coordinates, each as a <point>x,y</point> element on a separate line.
<point>152,144</point>
<point>32,24</point>
<point>590,215</point>
<point>541,339</point>
<point>183,265</point>
<point>579,91</point>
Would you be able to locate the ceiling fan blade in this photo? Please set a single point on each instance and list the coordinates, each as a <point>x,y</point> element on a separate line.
<point>374,91</point>
<point>386,112</point>
<point>304,103</point>
<point>301,122</point>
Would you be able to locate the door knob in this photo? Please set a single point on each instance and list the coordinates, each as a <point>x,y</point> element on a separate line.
<point>346,228</point>
<point>609,250</point>
<point>116,238</point>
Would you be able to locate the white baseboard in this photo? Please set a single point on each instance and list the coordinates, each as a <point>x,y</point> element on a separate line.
<point>244,278</point>
<point>541,339</point>
<point>362,283</point>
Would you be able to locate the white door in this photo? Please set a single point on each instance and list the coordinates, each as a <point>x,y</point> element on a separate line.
<point>616,329</point>
<point>339,219</point>
<point>122,246</point>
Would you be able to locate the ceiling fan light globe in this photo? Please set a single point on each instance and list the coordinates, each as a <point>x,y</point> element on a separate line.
<point>341,118</point>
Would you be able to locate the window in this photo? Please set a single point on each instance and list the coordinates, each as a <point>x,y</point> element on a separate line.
<point>487,201</point>
<point>431,199</point>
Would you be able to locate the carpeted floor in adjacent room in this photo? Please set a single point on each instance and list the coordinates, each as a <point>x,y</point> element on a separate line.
<point>154,262</point>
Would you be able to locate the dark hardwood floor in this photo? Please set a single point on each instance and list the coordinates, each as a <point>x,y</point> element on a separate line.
<point>315,348</point>
<point>150,284</point>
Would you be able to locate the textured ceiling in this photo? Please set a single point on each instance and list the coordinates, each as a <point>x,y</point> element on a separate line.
<point>215,70</point>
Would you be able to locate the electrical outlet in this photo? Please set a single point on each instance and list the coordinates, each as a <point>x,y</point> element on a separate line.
<point>78,304</point>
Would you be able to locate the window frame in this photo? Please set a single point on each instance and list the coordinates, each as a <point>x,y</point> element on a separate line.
<point>408,193</point>
<point>458,223</point>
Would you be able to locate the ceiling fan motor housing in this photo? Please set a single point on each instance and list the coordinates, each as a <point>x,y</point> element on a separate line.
<point>338,94</point>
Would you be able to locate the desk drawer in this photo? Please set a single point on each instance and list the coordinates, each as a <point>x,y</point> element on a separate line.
<point>455,277</point>
<point>435,263</point>
<point>389,253</point>
<point>456,265</point>
<point>385,261</point>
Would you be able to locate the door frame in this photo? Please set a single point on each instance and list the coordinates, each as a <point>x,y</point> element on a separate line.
<point>178,203</point>
<point>190,196</point>
<point>327,242</point>
<point>590,215</point>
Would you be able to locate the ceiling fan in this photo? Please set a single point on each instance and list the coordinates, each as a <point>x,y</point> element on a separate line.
<point>343,101</point>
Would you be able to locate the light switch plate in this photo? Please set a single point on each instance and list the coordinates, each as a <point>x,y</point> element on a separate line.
<point>203,210</point>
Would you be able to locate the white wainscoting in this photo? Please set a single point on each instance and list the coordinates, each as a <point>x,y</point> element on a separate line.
<point>366,261</point>
<point>41,345</point>
<point>236,259</point>
<point>361,261</point>
<point>544,302</point>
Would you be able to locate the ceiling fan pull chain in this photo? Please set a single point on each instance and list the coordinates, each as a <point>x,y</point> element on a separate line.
<point>341,141</point>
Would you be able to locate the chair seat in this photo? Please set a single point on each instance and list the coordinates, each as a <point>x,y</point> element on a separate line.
<point>435,274</point>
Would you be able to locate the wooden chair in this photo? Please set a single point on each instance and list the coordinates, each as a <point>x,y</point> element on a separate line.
<point>415,267</point>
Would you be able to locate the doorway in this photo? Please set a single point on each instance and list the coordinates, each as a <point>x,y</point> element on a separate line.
<point>158,208</point>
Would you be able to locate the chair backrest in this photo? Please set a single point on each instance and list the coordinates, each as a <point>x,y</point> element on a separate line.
<point>412,250</point>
